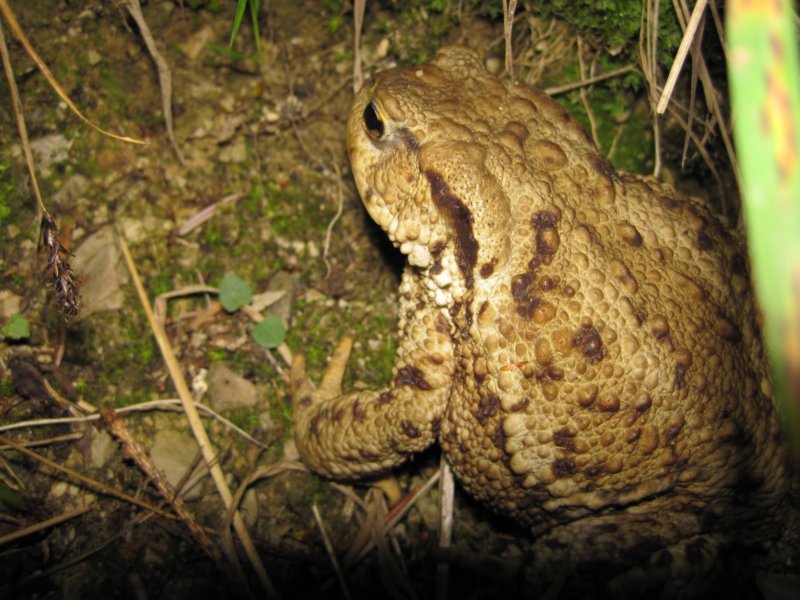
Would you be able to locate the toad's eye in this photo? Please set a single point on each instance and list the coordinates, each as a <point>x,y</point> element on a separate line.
<point>373,123</point>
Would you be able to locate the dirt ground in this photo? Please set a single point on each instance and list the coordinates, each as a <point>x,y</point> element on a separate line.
<point>261,138</point>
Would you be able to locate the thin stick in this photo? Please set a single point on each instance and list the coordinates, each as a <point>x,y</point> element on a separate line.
<point>19,117</point>
<point>133,449</point>
<point>509,7</point>
<point>92,483</point>
<point>394,517</point>
<point>209,453</point>
<point>339,209</point>
<point>680,56</point>
<point>560,89</point>
<point>48,441</point>
<point>167,404</point>
<point>20,533</point>
<point>358,22</point>
<point>446,497</point>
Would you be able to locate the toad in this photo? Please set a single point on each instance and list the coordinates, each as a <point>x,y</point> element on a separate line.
<point>581,342</point>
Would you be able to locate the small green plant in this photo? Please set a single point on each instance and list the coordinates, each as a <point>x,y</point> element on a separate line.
<point>17,328</point>
<point>270,332</point>
<point>234,293</point>
<point>255,5</point>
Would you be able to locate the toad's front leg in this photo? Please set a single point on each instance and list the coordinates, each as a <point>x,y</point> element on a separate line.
<point>347,435</point>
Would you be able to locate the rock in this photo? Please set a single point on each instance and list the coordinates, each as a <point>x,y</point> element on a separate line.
<point>173,452</point>
<point>282,306</point>
<point>75,187</point>
<point>94,57</point>
<point>140,228</point>
<point>266,423</point>
<point>102,448</point>
<point>236,152</point>
<point>196,42</point>
<point>99,265</point>
<point>48,151</point>
<point>10,304</point>
<point>228,390</point>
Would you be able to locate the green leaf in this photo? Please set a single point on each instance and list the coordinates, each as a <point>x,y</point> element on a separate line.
<point>234,293</point>
<point>237,20</point>
<point>270,332</point>
<point>17,328</point>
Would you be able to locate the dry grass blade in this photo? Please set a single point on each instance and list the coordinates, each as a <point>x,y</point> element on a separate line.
<point>331,554</point>
<point>358,21</point>
<point>16,104</point>
<point>160,303</point>
<point>209,454</point>
<point>567,87</point>
<point>69,437</point>
<point>92,483</point>
<point>447,496</point>
<point>509,7</point>
<point>585,99</point>
<point>164,74</point>
<point>680,56</point>
<point>339,209</point>
<point>60,275</point>
<point>134,450</point>
<point>20,533</point>
<point>11,19</point>
<point>206,213</point>
<point>168,404</point>
<point>648,39</point>
<point>359,550</point>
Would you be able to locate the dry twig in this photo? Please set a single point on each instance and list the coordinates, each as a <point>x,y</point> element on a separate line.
<point>680,55</point>
<point>358,21</point>
<point>509,7</point>
<point>92,483</point>
<point>20,533</point>
<point>446,498</point>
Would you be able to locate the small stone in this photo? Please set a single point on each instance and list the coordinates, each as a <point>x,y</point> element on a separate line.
<point>102,449</point>
<point>235,152</point>
<point>266,423</point>
<point>10,304</point>
<point>227,103</point>
<point>173,452</point>
<point>290,450</point>
<point>494,65</point>
<point>382,49</point>
<point>98,262</point>
<point>94,57</point>
<point>228,390</point>
<point>193,46</point>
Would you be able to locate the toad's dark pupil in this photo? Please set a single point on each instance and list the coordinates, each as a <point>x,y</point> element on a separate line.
<point>372,122</point>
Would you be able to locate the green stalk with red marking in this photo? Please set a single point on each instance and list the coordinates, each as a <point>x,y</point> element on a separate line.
<point>765,96</point>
